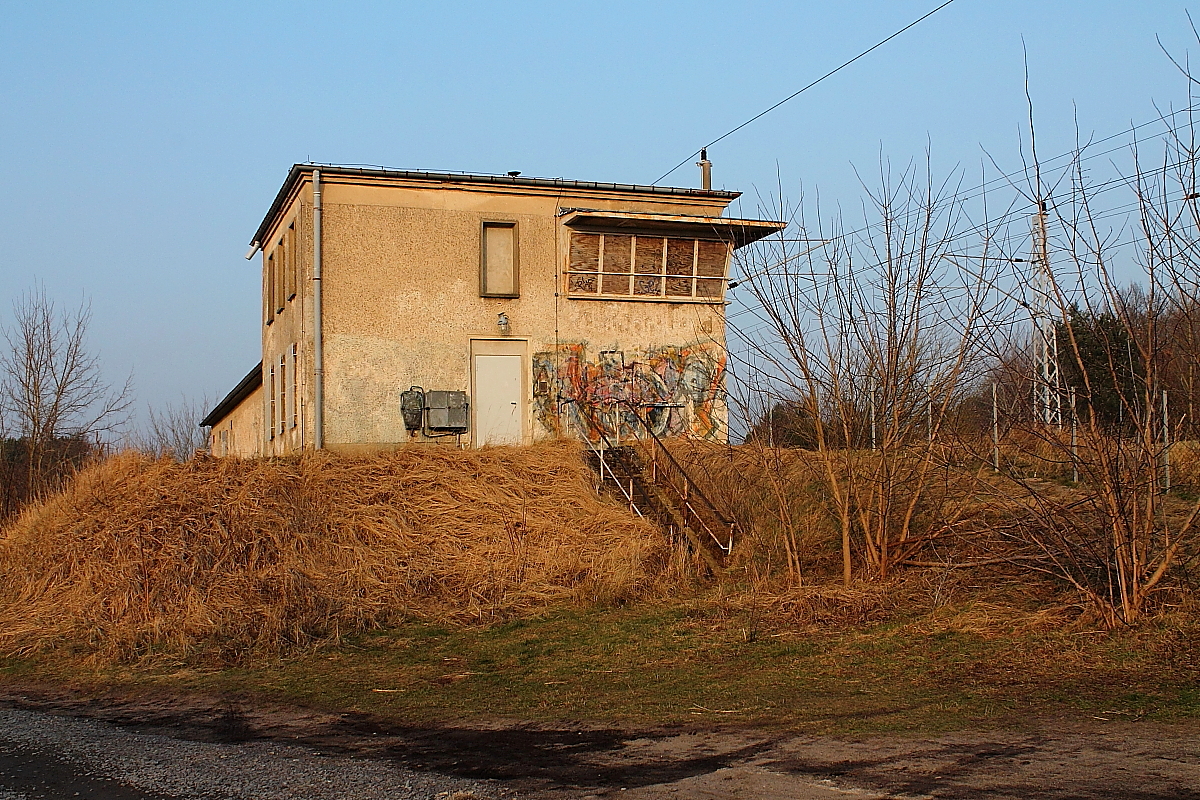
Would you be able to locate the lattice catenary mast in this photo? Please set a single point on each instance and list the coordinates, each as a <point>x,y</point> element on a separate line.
<point>1047,388</point>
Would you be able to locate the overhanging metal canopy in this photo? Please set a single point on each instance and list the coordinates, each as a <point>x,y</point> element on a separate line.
<point>739,231</point>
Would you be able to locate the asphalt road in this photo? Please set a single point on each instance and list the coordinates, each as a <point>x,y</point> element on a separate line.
<point>47,756</point>
<point>55,743</point>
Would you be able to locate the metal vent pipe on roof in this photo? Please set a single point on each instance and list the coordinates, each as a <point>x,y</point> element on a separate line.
<point>705,170</point>
<point>318,342</point>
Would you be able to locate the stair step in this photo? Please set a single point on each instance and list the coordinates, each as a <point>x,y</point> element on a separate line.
<point>627,466</point>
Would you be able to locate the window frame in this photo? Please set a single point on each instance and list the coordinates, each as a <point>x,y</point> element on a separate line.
<point>663,276</point>
<point>268,288</point>
<point>283,395</point>
<point>271,400</point>
<point>291,278</point>
<point>295,373</point>
<point>516,258</point>
<point>279,255</point>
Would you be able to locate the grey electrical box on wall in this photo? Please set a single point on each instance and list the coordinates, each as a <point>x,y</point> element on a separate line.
<point>412,408</point>
<point>446,411</point>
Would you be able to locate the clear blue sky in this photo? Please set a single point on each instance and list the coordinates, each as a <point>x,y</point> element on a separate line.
<point>143,142</point>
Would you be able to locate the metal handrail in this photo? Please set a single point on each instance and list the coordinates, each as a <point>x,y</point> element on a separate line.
<point>689,490</point>
<point>604,467</point>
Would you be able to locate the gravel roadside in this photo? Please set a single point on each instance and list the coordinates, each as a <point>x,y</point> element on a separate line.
<point>48,756</point>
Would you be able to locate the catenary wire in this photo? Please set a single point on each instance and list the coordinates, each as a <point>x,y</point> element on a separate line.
<point>800,91</point>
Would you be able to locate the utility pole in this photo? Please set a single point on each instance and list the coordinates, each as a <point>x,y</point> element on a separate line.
<point>872,408</point>
<point>1074,439</point>
<point>1166,435</point>
<point>770,422</point>
<point>1047,394</point>
<point>929,409</point>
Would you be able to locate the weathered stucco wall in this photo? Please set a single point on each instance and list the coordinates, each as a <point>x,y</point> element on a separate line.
<point>287,339</point>
<point>402,306</point>
<point>240,432</point>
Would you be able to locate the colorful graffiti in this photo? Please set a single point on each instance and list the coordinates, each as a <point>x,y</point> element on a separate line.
<point>677,390</point>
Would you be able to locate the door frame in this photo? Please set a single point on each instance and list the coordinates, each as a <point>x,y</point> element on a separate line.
<point>508,346</point>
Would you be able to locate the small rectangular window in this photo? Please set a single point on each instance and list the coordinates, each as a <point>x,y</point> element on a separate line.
<point>498,259</point>
<point>279,258</point>
<point>295,388</point>
<point>269,290</point>
<point>283,394</point>
<point>289,247</point>
<point>271,404</point>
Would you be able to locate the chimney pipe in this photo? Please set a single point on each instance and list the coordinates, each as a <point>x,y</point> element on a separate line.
<point>705,170</point>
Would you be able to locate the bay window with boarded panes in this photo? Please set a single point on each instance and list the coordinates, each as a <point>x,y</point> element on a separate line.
<point>635,267</point>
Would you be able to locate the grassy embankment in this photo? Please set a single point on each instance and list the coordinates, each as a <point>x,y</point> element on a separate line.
<point>498,621</point>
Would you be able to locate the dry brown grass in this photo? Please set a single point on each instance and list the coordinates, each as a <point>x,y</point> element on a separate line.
<point>1185,463</point>
<point>780,493</point>
<point>232,557</point>
<point>771,493</point>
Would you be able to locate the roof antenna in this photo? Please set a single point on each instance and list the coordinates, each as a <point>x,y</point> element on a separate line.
<point>705,170</point>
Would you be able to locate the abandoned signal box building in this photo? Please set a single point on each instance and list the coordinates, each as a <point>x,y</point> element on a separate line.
<point>479,310</point>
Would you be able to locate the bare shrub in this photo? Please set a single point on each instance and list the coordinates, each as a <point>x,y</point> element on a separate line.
<point>173,430</point>
<point>1115,537</point>
<point>874,338</point>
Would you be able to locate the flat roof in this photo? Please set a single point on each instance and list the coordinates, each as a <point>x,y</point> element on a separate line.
<point>739,231</point>
<point>245,387</point>
<point>299,170</point>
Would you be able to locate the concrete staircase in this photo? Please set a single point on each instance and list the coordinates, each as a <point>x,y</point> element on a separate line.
<point>644,474</point>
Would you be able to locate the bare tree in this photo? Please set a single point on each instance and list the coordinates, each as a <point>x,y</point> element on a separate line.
<point>873,336</point>
<point>173,430</point>
<point>52,391</point>
<point>1125,353</point>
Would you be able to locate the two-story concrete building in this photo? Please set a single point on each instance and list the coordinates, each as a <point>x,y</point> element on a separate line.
<point>481,309</point>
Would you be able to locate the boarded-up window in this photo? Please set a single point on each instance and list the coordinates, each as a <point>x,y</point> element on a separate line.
<point>711,261</point>
<point>646,267</point>
<point>584,263</point>
<point>681,268</point>
<point>283,393</point>
<point>616,256</point>
<point>499,260</point>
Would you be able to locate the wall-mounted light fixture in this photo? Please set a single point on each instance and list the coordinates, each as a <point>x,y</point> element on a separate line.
<point>503,324</point>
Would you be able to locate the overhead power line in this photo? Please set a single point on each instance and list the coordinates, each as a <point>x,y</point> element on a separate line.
<point>800,91</point>
<point>978,191</point>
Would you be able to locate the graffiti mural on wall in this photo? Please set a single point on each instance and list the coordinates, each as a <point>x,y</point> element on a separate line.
<point>677,390</point>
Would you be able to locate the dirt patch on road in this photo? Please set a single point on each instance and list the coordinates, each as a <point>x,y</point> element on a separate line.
<point>1061,757</point>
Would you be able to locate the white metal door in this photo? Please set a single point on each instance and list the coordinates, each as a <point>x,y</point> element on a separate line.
<point>498,406</point>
